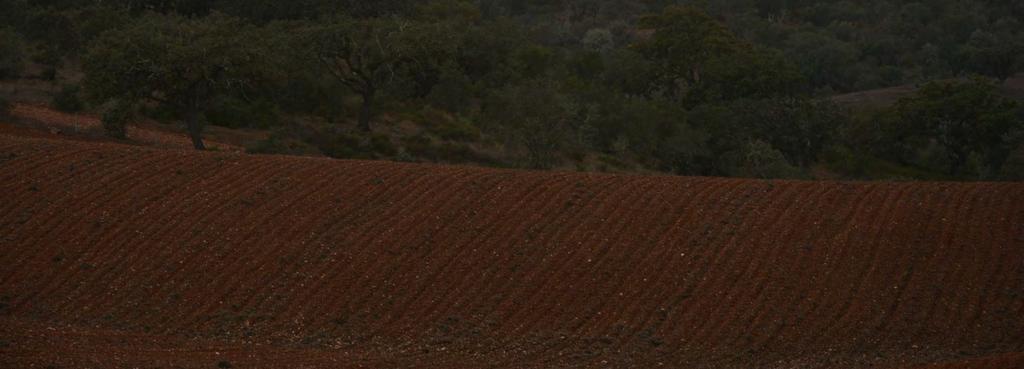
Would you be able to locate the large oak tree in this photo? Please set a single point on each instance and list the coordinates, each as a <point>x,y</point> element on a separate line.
<point>683,41</point>
<point>367,55</point>
<point>180,63</point>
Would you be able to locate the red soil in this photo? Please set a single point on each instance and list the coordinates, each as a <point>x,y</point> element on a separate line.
<point>121,256</point>
<point>88,127</point>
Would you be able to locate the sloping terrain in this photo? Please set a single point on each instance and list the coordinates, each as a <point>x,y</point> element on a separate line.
<point>87,127</point>
<point>122,256</point>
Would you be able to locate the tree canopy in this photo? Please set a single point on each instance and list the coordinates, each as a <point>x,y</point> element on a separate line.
<point>964,119</point>
<point>181,63</point>
<point>734,88</point>
<point>366,55</point>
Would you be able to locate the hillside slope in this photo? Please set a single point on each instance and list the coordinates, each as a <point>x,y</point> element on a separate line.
<point>121,256</point>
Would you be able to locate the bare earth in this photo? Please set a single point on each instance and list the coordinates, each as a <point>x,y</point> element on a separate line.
<point>118,256</point>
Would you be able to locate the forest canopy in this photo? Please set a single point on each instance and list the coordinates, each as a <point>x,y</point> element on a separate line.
<point>729,88</point>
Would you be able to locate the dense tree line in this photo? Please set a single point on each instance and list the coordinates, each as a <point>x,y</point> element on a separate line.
<point>734,88</point>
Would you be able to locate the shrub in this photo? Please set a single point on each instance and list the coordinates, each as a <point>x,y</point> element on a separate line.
<point>452,91</point>
<point>532,116</point>
<point>1013,168</point>
<point>599,39</point>
<point>284,141</point>
<point>455,130</point>
<point>67,100</point>
<point>344,146</point>
<point>381,145</point>
<point>235,113</point>
<point>116,118</point>
<point>758,159</point>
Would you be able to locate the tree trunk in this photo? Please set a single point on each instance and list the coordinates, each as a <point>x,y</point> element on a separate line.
<point>195,128</point>
<point>366,111</point>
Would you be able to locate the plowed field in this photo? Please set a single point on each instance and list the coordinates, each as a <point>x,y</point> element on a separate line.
<point>121,256</point>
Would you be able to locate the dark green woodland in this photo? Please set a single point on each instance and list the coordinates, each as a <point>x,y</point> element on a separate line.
<point>741,88</point>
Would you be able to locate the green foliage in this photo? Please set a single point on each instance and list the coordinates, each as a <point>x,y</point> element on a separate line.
<point>485,52</point>
<point>54,27</point>
<point>685,150</point>
<point>533,61</point>
<point>711,88</point>
<point>50,58</point>
<point>824,60</point>
<point>68,100</point>
<point>177,62</point>
<point>628,71</point>
<point>359,145</point>
<point>599,39</point>
<point>684,41</point>
<point>453,91</point>
<point>234,112</point>
<point>452,129</point>
<point>347,146</point>
<point>951,121</point>
<point>116,118</point>
<point>858,164</point>
<point>748,74</point>
<point>460,11</point>
<point>64,31</point>
<point>996,55</point>
<point>1013,167</point>
<point>532,116</point>
<point>758,159</point>
<point>12,53</point>
<point>367,55</point>
<point>797,128</point>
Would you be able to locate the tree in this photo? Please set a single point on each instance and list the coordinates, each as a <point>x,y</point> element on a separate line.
<point>752,74</point>
<point>629,72</point>
<point>683,42</point>
<point>993,55</point>
<point>116,117</point>
<point>599,39</point>
<point>798,128</point>
<point>758,159</point>
<point>180,63</point>
<point>12,53</point>
<point>533,115</point>
<point>366,55</point>
<point>463,12</point>
<point>825,60</point>
<point>963,118</point>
